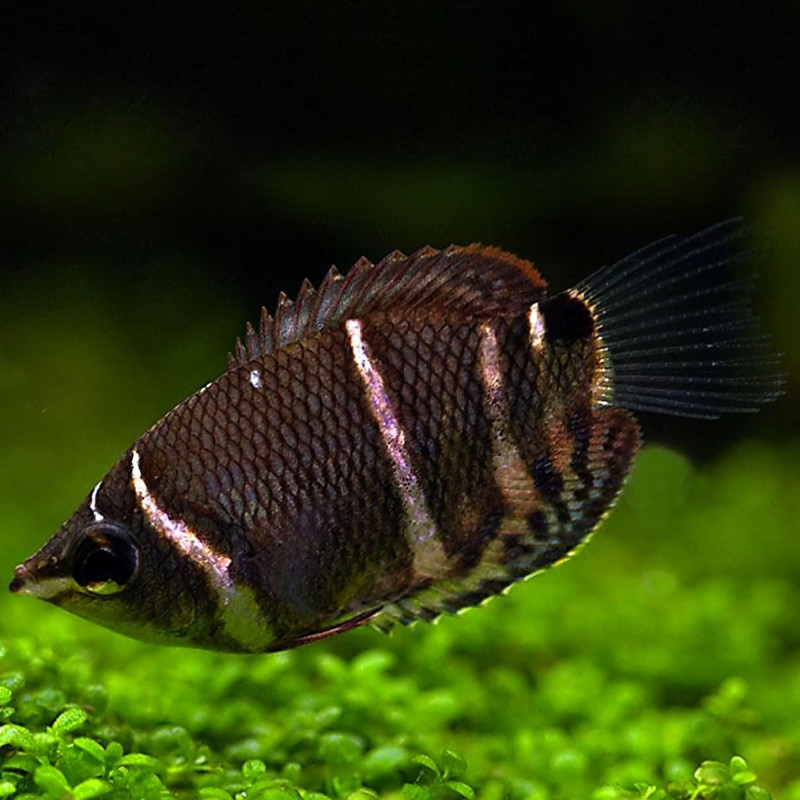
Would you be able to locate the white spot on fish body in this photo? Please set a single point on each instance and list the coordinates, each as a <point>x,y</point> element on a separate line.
<point>255,378</point>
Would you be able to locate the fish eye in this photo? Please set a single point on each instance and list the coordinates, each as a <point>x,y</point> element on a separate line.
<point>106,559</point>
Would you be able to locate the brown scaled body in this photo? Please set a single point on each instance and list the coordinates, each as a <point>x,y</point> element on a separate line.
<point>407,440</point>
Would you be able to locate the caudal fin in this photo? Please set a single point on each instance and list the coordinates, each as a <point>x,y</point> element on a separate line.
<point>680,336</point>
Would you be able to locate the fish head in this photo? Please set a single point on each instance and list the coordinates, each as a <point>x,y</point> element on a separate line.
<point>107,565</point>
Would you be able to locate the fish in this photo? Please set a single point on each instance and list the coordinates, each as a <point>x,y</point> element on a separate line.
<point>406,441</point>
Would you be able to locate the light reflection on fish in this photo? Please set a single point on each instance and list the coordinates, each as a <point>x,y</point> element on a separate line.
<point>404,441</point>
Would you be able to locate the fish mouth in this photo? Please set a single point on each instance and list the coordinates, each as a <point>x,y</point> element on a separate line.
<point>22,578</point>
<point>45,580</point>
<point>27,582</point>
<point>36,584</point>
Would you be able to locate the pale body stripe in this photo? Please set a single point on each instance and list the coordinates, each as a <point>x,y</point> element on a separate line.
<point>536,323</point>
<point>241,616</point>
<point>556,432</point>
<point>429,555</point>
<point>511,472</point>
<point>98,517</point>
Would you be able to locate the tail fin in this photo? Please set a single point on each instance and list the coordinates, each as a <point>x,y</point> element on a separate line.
<point>679,333</point>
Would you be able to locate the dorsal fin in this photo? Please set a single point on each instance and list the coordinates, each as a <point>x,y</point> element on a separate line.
<point>475,280</point>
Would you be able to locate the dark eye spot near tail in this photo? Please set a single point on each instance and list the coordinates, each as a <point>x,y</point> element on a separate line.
<point>537,522</point>
<point>567,319</point>
<point>548,481</point>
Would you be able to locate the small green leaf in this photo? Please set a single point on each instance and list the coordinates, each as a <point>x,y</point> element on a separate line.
<point>92,747</point>
<point>5,695</point>
<point>7,788</point>
<point>16,736</point>
<point>429,764</point>
<point>215,793</point>
<point>254,769</point>
<point>114,752</point>
<point>22,762</point>
<point>50,779</point>
<point>342,785</point>
<point>738,764</point>
<point>744,777</point>
<point>43,742</point>
<point>93,787</point>
<point>454,765</point>
<point>144,785</point>
<point>78,765</point>
<point>711,773</point>
<point>413,791</point>
<point>138,760</point>
<point>69,720</point>
<point>462,789</point>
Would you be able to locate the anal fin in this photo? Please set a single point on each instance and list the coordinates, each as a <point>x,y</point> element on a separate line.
<point>357,621</point>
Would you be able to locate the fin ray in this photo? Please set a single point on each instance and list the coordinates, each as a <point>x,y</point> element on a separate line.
<point>679,334</point>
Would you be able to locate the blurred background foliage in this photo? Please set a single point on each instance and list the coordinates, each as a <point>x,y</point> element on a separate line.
<point>167,168</point>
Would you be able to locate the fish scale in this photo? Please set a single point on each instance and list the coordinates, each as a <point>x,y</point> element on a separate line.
<point>408,440</point>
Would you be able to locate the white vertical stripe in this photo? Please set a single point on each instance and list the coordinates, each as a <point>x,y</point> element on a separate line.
<point>513,479</point>
<point>241,615</point>
<point>429,555</point>
<point>536,323</point>
<point>98,517</point>
<point>510,470</point>
<point>177,531</point>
